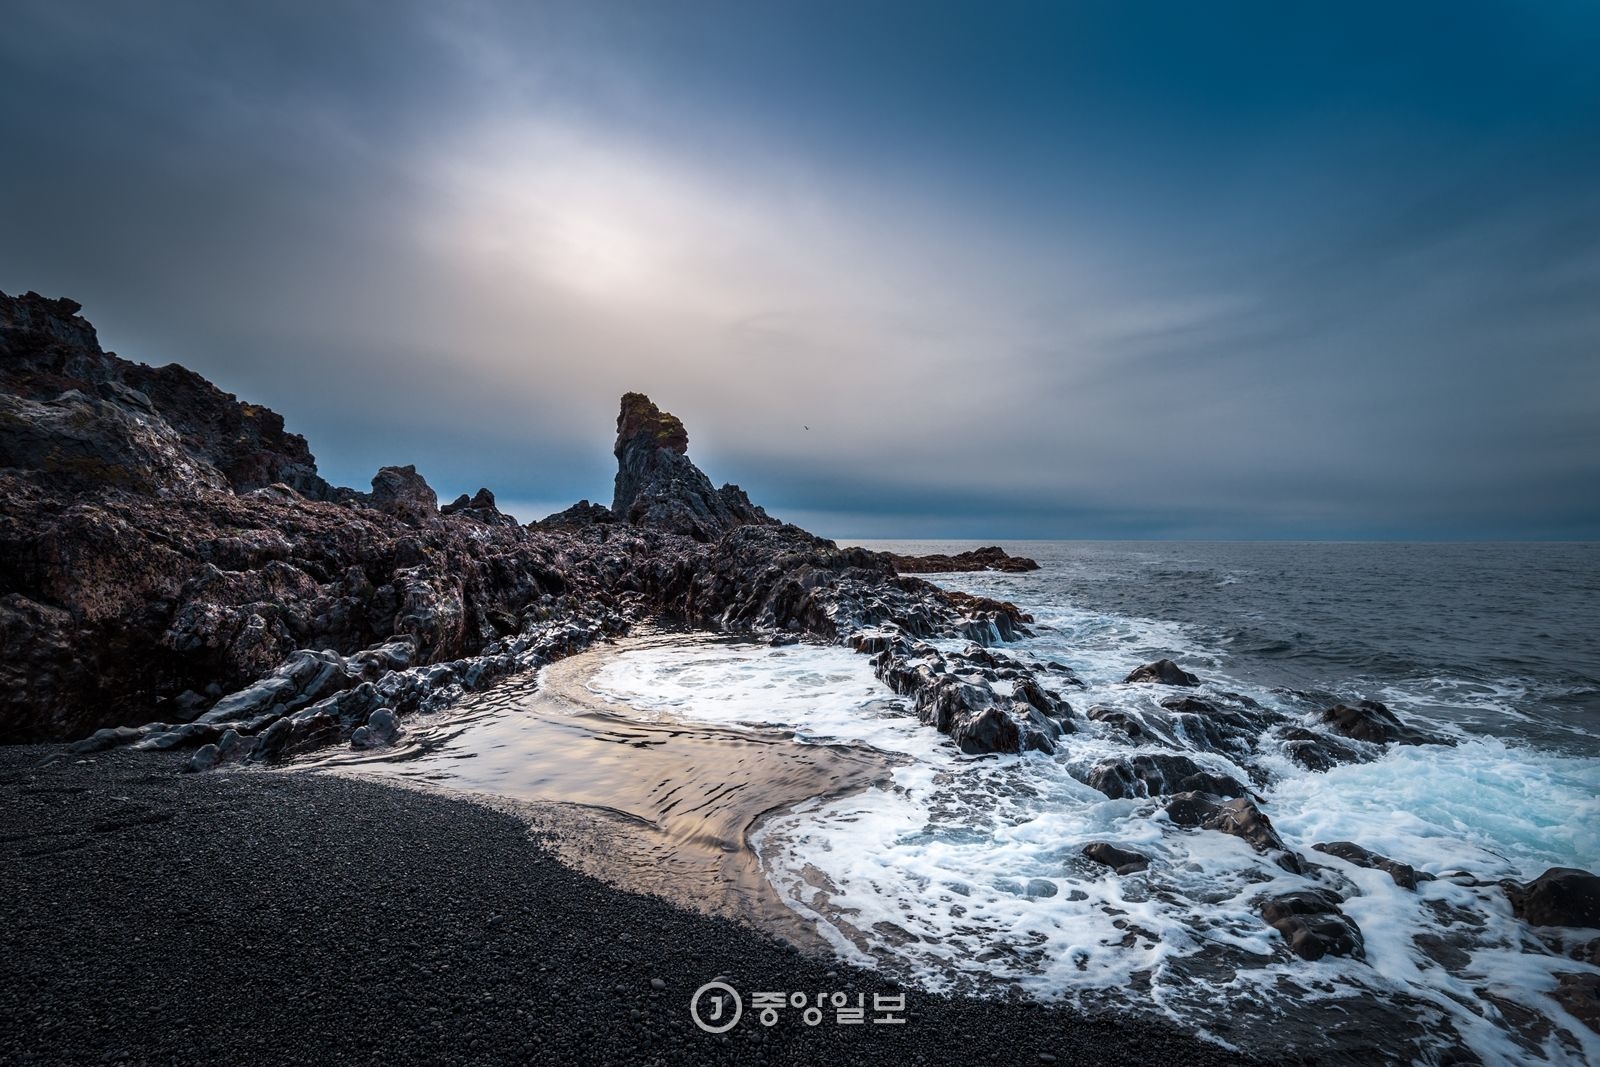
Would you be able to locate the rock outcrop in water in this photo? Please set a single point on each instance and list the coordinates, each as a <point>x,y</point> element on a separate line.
<point>1561,896</point>
<point>1405,876</point>
<point>1312,924</point>
<point>993,558</point>
<point>1121,860</point>
<point>1160,774</point>
<point>1162,672</point>
<point>1368,720</point>
<point>1239,817</point>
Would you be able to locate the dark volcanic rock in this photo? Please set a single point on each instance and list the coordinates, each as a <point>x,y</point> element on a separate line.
<point>993,558</point>
<point>1239,817</point>
<point>381,728</point>
<point>1561,896</point>
<point>1371,721</point>
<point>1158,774</point>
<point>983,699</point>
<point>580,514</point>
<point>992,620</point>
<point>1162,672</point>
<point>1235,729</point>
<point>1404,875</point>
<point>1311,922</point>
<point>658,486</point>
<point>1121,718</point>
<point>1122,860</point>
<point>1580,995</point>
<point>47,350</point>
<point>404,493</point>
<point>109,439</point>
<point>480,507</point>
<point>1321,752</point>
<point>989,730</point>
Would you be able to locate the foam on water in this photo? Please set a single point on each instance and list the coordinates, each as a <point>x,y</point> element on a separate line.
<point>967,872</point>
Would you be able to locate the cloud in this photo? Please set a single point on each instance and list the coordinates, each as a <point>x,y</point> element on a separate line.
<point>1011,280</point>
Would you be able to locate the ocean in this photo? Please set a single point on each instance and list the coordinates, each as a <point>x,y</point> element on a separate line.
<point>959,873</point>
<point>966,874</point>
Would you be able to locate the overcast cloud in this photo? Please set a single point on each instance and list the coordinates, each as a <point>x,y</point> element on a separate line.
<point>1024,270</point>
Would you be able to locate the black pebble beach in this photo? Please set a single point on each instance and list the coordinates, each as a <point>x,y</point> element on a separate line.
<point>276,918</point>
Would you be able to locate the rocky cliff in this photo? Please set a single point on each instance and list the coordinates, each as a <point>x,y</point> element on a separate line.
<point>174,571</point>
<point>80,413</point>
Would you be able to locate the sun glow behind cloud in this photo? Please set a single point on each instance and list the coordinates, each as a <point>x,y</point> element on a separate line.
<point>756,300</point>
<point>1029,271</point>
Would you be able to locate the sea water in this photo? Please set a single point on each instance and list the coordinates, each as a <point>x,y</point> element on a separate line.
<point>966,873</point>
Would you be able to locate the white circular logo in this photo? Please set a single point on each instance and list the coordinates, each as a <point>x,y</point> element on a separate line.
<point>721,1017</point>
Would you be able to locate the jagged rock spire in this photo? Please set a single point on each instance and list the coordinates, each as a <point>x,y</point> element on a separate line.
<point>659,486</point>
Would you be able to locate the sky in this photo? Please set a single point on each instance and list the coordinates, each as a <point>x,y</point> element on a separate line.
<point>987,270</point>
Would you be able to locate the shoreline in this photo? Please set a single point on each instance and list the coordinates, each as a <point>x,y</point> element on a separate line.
<point>269,918</point>
<point>655,805</point>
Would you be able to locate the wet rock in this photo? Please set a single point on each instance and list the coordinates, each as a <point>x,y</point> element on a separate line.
<point>305,677</point>
<point>988,621</point>
<point>1561,896</point>
<point>1158,774</point>
<point>1580,995</point>
<point>1235,728</point>
<point>1122,719</point>
<point>381,728</point>
<point>205,758</point>
<point>185,735</point>
<point>273,742</point>
<point>1162,672</point>
<point>1041,732</point>
<point>1046,702</point>
<point>1368,720</point>
<point>1321,752</point>
<point>1404,875</point>
<point>1121,860</point>
<point>1441,951</point>
<point>991,730</point>
<point>1312,924</point>
<point>1239,817</point>
<point>108,738</point>
<point>234,747</point>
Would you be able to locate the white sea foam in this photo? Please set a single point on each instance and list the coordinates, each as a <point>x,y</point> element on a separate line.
<point>964,871</point>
